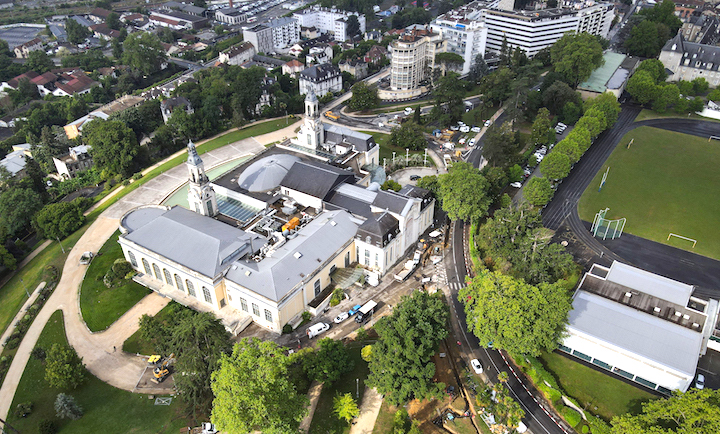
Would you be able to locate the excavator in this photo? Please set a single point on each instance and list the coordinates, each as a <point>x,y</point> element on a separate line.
<point>162,367</point>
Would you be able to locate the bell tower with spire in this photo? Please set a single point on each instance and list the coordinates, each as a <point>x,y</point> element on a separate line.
<point>312,134</point>
<point>201,196</point>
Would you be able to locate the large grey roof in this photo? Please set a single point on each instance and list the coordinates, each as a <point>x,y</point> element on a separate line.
<point>266,173</point>
<point>699,56</point>
<point>337,134</point>
<point>197,242</point>
<point>14,162</point>
<point>315,179</point>
<point>380,228</point>
<point>634,331</point>
<point>294,262</point>
<point>352,198</point>
<point>322,72</point>
<point>650,283</point>
<point>393,202</point>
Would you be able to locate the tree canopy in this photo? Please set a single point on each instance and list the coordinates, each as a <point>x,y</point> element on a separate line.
<point>409,135</point>
<point>58,220</point>
<point>400,367</point>
<point>144,52</point>
<point>538,191</point>
<point>329,362</point>
<point>513,315</point>
<point>501,145</point>
<point>253,392</point>
<point>63,367</point>
<point>364,97</point>
<point>448,93</point>
<point>464,193</point>
<point>17,208</point>
<point>576,55</point>
<point>76,32</point>
<point>113,146</point>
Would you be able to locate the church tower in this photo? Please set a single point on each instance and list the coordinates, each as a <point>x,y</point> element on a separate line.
<point>312,134</point>
<point>201,196</point>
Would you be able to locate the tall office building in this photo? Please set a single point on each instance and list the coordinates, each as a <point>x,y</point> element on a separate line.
<point>464,31</point>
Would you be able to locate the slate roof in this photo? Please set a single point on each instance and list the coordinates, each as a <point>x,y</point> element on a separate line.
<point>197,242</point>
<point>337,134</point>
<point>410,190</point>
<point>698,56</point>
<point>393,202</point>
<point>315,179</point>
<point>380,228</point>
<point>295,262</point>
<point>318,73</point>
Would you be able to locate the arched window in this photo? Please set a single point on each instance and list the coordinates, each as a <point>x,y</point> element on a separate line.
<point>178,283</point>
<point>191,288</point>
<point>133,261</point>
<point>206,293</point>
<point>168,277</point>
<point>156,269</point>
<point>146,266</point>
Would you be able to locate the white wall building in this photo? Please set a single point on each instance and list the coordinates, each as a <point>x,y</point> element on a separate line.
<point>534,30</point>
<point>464,31</point>
<point>320,79</point>
<point>690,60</point>
<point>238,54</point>
<point>639,325</point>
<point>273,35</point>
<point>231,16</point>
<point>413,56</point>
<point>328,20</point>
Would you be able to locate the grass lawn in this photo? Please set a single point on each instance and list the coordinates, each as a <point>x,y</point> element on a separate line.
<point>597,392</point>
<point>384,422</point>
<point>324,420</point>
<point>662,184</point>
<point>462,426</point>
<point>12,294</point>
<point>646,114</point>
<point>386,150</point>
<point>135,345</point>
<point>107,409</point>
<point>101,306</point>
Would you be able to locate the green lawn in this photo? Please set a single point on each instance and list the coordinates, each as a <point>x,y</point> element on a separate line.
<point>107,409</point>
<point>101,306</point>
<point>324,420</point>
<point>385,419</point>
<point>12,294</point>
<point>596,392</point>
<point>386,150</point>
<point>664,183</point>
<point>646,114</point>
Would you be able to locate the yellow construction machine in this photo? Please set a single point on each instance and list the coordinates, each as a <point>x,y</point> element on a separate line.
<point>162,367</point>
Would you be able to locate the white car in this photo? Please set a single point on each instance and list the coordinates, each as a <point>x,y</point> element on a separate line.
<point>700,382</point>
<point>477,367</point>
<point>472,143</point>
<point>342,317</point>
<point>464,129</point>
<point>488,123</point>
<point>516,185</point>
<point>408,110</point>
<point>475,129</point>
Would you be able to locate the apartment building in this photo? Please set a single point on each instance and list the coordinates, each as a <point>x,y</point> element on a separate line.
<point>273,35</point>
<point>413,56</point>
<point>328,20</point>
<point>464,31</point>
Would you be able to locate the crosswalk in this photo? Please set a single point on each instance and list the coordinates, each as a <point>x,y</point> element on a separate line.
<point>456,286</point>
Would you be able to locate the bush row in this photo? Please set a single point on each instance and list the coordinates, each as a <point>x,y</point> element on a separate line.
<point>601,113</point>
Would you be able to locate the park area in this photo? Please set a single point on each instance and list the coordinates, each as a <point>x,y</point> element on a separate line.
<point>662,183</point>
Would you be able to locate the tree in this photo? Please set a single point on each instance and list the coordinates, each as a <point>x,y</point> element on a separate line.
<point>253,392</point>
<point>76,32</point>
<point>391,185</point>
<point>39,62</point>
<point>58,220</point>
<point>52,143</point>
<point>26,91</point>
<point>448,94</point>
<point>700,86</point>
<point>449,61</point>
<point>593,121</point>
<point>513,315</point>
<point>695,411</point>
<point>664,13</point>
<point>542,130</point>
<point>17,208</point>
<point>555,165</point>
<point>538,191</point>
<point>570,148</point>
<point>408,136</point>
<point>364,97</point>
<point>144,52</point>
<point>113,21</point>
<point>496,86</point>
<point>464,193</point>
<point>400,367</point>
<point>366,353</point>
<point>352,26</point>
<point>608,105</point>
<point>479,69</point>
<point>576,55</point>
<point>667,96</point>
<point>571,112</point>
<point>67,407</point>
<point>642,87</point>
<point>198,339</point>
<point>63,367</point>
<point>7,259</point>
<point>113,146</point>
<point>329,362</point>
<point>345,407</point>
<point>500,145</point>
<point>557,95</point>
<point>655,68</point>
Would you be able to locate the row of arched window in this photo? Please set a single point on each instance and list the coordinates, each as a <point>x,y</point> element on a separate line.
<point>177,282</point>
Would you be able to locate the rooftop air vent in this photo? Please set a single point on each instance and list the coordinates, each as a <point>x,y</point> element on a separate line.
<point>628,294</point>
<point>656,309</point>
<point>248,272</point>
<point>297,255</point>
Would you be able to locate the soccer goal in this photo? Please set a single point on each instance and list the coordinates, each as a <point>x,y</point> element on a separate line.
<point>692,240</point>
<point>603,227</point>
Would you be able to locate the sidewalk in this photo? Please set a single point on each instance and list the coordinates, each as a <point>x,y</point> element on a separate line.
<point>314,396</point>
<point>369,411</point>
<point>25,261</point>
<point>21,312</point>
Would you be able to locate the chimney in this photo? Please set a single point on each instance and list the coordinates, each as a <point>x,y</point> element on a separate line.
<point>231,3</point>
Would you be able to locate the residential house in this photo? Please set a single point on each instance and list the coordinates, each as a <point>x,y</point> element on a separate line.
<point>238,54</point>
<point>189,9</point>
<point>74,128</point>
<point>77,159</point>
<point>690,60</point>
<point>309,32</point>
<point>320,79</point>
<point>99,15</point>
<point>6,4</point>
<point>292,68</point>
<point>357,68</point>
<point>22,51</point>
<point>14,161</point>
<point>376,54</point>
<point>102,31</point>
<point>168,106</point>
<point>373,35</point>
<point>319,54</point>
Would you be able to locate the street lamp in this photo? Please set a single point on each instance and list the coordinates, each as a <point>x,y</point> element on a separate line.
<point>25,288</point>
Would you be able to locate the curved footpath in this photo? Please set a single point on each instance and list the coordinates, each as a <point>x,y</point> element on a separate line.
<point>98,350</point>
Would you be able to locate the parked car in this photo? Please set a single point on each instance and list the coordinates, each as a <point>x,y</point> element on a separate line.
<point>408,111</point>
<point>354,310</point>
<point>414,177</point>
<point>317,329</point>
<point>472,143</point>
<point>475,129</point>
<point>700,382</point>
<point>488,123</point>
<point>340,318</point>
<point>516,185</point>
<point>477,367</point>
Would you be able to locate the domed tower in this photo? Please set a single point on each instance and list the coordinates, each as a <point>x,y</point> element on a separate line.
<point>201,196</point>
<point>312,134</point>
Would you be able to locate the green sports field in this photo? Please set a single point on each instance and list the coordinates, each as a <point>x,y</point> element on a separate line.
<point>665,182</point>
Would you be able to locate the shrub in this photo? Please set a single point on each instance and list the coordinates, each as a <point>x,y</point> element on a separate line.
<point>362,334</point>
<point>38,353</point>
<point>585,429</point>
<point>306,316</point>
<point>336,297</point>
<point>47,427</point>
<point>12,342</point>
<point>597,425</point>
<point>50,274</point>
<point>287,328</point>
<point>23,409</point>
<point>571,416</point>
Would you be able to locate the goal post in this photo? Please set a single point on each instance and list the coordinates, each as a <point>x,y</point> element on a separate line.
<point>604,227</point>
<point>694,241</point>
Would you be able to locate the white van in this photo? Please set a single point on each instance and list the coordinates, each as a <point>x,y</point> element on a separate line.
<point>317,329</point>
<point>409,111</point>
